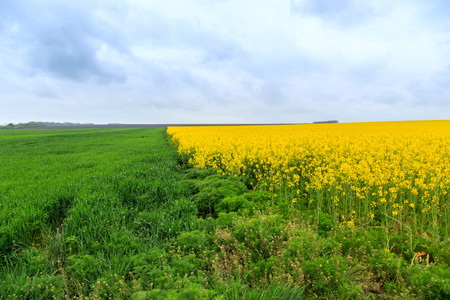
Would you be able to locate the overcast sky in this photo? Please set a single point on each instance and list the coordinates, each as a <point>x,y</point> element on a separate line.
<point>224,61</point>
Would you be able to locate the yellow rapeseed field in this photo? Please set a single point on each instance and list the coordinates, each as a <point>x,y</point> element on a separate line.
<point>391,174</point>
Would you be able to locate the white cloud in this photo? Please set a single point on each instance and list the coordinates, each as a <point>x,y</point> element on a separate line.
<point>224,61</point>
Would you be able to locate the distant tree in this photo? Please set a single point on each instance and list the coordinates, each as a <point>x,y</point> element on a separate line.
<point>326,122</point>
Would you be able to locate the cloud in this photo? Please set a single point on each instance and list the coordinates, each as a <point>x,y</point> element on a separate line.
<point>210,61</point>
<point>345,13</point>
<point>62,41</point>
<point>320,7</point>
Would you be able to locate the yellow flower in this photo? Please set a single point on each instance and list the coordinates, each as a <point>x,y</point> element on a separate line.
<point>352,165</point>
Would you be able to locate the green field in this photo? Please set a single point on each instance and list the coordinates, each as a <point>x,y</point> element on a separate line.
<point>77,206</point>
<point>111,214</point>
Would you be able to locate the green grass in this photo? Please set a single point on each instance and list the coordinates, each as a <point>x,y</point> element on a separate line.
<point>110,214</point>
<point>76,205</point>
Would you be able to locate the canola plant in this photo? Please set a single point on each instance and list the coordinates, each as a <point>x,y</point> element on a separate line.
<point>390,174</point>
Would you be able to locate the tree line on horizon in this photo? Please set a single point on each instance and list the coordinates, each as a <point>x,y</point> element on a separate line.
<point>37,124</point>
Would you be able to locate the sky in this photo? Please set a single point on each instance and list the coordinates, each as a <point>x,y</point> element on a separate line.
<point>224,61</point>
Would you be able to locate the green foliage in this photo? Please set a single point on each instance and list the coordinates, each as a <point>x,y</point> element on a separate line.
<point>237,291</point>
<point>431,282</point>
<point>191,292</point>
<point>260,234</point>
<point>325,224</point>
<point>226,220</point>
<point>199,173</point>
<point>357,243</point>
<point>84,268</point>
<point>212,190</point>
<point>324,274</point>
<point>162,223</point>
<point>233,204</point>
<point>349,291</point>
<point>388,266</point>
<point>194,241</point>
<point>46,286</point>
<point>310,246</point>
